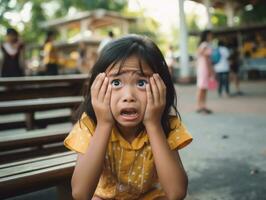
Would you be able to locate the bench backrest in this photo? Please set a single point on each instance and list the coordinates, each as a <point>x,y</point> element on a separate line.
<point>41,86</point>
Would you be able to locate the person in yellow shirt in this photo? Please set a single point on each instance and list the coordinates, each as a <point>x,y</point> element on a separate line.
<point>50,57</point>
<point>129,131</point>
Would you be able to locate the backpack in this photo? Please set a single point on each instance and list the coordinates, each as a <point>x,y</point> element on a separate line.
<point>215,56</point>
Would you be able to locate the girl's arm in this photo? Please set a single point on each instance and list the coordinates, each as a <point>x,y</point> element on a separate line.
<point>169,168</point>
<point>89,166</point>
<point>171,173</point>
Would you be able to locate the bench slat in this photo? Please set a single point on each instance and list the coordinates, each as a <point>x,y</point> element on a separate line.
<point>29,80</point>
<point>18,163</point>
<point>30,105</point>
<point>32,138</point>
<point>35,167</point>
<point>36,174</point>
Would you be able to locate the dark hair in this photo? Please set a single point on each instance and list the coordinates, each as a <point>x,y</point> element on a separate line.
<point>110,34</point>
<point>204,36</point>
<point>11,31</point>
<point>49,35</point>
<point>117,51</point>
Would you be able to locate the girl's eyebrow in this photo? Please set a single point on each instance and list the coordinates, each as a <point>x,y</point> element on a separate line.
<point>115,74</point>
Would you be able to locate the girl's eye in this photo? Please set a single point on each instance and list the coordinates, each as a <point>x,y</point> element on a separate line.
<point>142,83</point>
<point>116,83</point>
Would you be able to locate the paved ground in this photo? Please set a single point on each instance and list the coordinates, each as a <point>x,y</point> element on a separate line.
<point>227,159</point>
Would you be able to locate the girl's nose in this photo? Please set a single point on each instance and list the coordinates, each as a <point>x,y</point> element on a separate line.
<point>128,94</point>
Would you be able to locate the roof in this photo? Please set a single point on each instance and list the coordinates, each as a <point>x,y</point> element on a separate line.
<point>229,30</point>
<point>98,18</point>
<point>237,4</point>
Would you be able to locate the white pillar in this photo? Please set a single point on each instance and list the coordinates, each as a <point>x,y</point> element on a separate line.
<point>184,64</point>
<point>229,10</point>
<point>83,28</point>
<point>208,6</point>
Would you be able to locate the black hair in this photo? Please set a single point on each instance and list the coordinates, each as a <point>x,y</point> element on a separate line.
<point>11,31</point>
<point>204,36</point>
<point>49,35</point>
<point>110,34</point>
<point>118,51</point>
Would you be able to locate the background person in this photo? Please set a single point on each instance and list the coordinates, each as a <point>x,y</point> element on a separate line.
<point>222,69</point>
<point>234,71</point>
<point>50,57</point>
<point>204,71</point>
<point>105,41</point>
<point>12,62</point>
<point>170,60</point>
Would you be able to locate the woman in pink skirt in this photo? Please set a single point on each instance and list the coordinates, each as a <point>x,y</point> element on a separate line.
<point>204,71</point>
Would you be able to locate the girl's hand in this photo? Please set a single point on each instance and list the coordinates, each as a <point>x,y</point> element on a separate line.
<point>156,94</point>
<point>100,99</point>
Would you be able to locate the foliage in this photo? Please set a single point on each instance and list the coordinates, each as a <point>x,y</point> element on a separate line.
<point>257,14</point>
<point>32,32</point>
<point>218,19</point>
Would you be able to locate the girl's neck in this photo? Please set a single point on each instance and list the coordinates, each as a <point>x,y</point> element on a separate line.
<point>129,133</point>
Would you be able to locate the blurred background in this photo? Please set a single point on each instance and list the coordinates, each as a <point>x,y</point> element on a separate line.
<point>49,47</point>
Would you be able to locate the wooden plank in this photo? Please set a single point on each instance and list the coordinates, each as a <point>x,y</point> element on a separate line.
<point>31,105</point>
<point>32,138</point>
<point>41,92</point>
<point>29,80</point>
<point>18,163</point>
<point>36,174</point>
<point>38,123</point>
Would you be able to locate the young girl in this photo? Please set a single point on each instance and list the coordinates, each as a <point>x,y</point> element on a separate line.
<point>126,138</point>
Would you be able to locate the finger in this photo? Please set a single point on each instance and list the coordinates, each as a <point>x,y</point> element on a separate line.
<point>103,89</point>
<point>107,97</point>
<point>155,91</point>
<point>149,94</point>
<point>97,83</point>
<point>161,87</point>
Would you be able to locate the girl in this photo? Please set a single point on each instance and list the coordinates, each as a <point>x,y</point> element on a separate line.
<point>204,71</point>
<point>126,139</point>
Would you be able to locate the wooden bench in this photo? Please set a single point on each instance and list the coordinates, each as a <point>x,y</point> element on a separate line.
<point>29,144</point>
<point>33,138</point>
<point>41,86</point>
<point>30,175</point>
<point>30,106</point>
<point>39,93</point>
<point>41,119</point>
<point>33,105</point>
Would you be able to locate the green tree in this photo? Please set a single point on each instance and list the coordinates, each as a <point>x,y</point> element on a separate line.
<point>255,15</point>
<point>32,32</point>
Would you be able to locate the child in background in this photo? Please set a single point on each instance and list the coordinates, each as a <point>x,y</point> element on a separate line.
<point>130,130</point>
<point>222,69</point>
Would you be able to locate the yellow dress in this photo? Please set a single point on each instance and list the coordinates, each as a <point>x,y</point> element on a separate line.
<point>129,171</point>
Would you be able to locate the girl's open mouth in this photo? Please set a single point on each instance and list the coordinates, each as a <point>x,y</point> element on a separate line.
<point>129,114</point>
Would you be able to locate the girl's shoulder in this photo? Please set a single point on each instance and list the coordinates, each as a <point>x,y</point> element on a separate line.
<point>87,121</point>
<point>174,121</point>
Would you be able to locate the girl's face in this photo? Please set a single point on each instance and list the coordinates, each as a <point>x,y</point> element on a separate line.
<point>128,97</point>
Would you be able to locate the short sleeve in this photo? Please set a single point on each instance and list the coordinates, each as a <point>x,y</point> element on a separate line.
<point>79,137</point>
<point>179,137</point>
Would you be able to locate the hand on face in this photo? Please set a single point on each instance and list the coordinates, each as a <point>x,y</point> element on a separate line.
<point>100,98</point>
<point>156,100</point>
